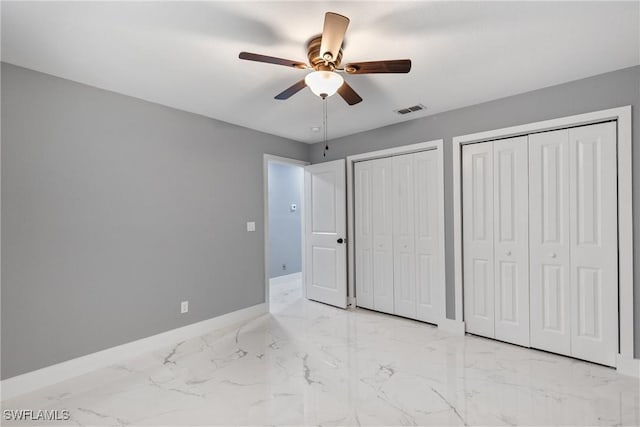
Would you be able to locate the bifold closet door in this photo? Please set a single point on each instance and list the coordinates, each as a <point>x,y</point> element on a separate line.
<point>573,231</point>
<point>398,237</point>
<point>594,242</point>
<point>363,234</point>
<point>429,274</point>
<point>495,239</point>
<point>374,234</point>
<point>511,239</point>
<point>382,224</point>
<point>404,280</point>
<point>477,235</point>
<point>550,241</point>
<point>540,241</point>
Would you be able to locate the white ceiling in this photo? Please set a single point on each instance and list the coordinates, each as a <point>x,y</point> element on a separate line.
<point>185,54</point>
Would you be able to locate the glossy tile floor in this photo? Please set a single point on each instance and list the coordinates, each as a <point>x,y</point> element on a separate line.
<point>311,364</point>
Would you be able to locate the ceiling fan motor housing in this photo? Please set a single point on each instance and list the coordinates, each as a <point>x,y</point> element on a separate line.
<point>316,58</point>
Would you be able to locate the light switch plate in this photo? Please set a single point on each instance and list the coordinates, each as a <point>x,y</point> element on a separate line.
<point>251,226</point>
<point>184,307</point>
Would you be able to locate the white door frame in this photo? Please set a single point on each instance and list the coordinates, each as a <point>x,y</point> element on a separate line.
<point>626,363</point>
<point>269,158</point>
<point>395,151</point>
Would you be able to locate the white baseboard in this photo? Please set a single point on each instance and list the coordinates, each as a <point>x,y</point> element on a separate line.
<point>34,380</point>
<point>455,327</point>
<point>627,366</point>
<point>287,278</point>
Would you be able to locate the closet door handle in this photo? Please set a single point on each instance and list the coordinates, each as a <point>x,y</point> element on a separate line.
<point>553,255</point>
<point>340,240</point>
<point>508,253</point>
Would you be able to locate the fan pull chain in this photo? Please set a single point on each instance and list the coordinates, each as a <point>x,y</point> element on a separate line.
<point>324,125</point>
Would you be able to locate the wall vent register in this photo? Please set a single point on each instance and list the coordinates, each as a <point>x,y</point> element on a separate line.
<point>411,109</point>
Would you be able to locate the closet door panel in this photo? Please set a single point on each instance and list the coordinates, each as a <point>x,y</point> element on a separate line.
<point>549,241</point>
<point>404,237</point>
<point>382,226</point>
<point>429,276</point>
<point>594,244</point>
<point>477,217</point>
<point>364,247</point>
<point>511,239</point>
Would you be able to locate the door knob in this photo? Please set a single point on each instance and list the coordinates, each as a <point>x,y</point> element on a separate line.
<point>553,255</point>
<point>340,240</point>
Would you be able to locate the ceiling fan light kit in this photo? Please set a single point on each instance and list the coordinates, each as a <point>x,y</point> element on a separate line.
<point>325,56</point>
<point>324,83</point>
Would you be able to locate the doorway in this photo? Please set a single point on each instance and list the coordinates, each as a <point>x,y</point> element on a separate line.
<point>284,198</point>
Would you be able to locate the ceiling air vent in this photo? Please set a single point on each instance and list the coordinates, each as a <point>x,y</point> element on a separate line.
<point>411,109</point>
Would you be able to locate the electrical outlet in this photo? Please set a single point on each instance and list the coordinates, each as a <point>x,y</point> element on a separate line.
<point>184,307</point>
<point>284,266</point>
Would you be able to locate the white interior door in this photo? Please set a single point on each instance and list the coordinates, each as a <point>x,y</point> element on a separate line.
<point>549,241</point>
<point>477,235</point>
<point>403,237</point>
<point>364,245</point>
<point>429,274</point>
<point>325,233</point>
<point>511,239</point>
<point>594,243</point>
<point>382,225</point>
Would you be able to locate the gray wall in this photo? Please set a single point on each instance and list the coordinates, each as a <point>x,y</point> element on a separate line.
<point>609,90</point>
<point>286,184</point>
<point>116,209</point>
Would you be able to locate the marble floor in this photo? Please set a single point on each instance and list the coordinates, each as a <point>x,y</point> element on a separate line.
<point>307,363</point>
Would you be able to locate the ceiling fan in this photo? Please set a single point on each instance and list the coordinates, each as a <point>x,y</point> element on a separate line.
<point>325,57</point>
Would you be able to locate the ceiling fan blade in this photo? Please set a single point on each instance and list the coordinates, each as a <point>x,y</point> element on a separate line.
<point>292,90</point>
<point>272,60</point>
<point>335,26</point>
<point>374,67</point>
<point>348,94</point>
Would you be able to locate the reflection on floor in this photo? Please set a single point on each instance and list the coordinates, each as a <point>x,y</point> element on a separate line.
<point>308,363</point>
